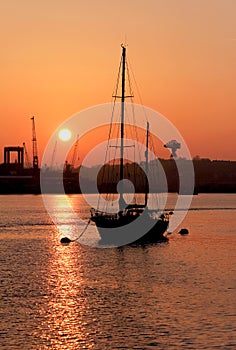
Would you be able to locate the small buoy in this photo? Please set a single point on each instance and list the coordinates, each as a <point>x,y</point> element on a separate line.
<point>183,231</point>
<point>65,240</point>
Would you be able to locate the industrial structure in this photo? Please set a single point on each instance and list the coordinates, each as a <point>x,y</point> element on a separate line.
<point>20,171</point>
<point>34,146</point>
<point>173,145</point>
<point>16,173</point>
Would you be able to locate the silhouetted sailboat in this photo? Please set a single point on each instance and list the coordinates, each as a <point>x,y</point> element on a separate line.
<point>132,223</point>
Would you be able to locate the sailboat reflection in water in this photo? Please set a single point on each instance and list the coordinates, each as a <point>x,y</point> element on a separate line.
<point>133,223</point>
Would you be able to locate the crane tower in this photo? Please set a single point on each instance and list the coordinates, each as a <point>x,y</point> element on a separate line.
<point>74,156</point>
<point>34,146</point>
<point>53,155</point>
<point>27,161</point>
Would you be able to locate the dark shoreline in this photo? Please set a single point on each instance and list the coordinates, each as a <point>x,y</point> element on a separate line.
<point>210,177</point>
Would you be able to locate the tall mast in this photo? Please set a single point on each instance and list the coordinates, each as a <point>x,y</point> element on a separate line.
<point>146,165</point>
<point>121,200</point>
<point>122,114</point>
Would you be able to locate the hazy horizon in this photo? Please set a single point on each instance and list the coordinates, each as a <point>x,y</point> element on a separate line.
<point>58,58</point>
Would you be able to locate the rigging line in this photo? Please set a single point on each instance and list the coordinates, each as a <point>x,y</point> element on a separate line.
<point>153,147</point>
<point>132,122</point>
<point>134,132</point>
<point>133,112</point>
<point>110,127</point>
<point>135,135</point>
<point>138,91</point>
<point>135,177</point>
<point>145,114</point>
<point>113,109</point>
<point>111,172</point>
<point>113,168</point>
<point>155,172</point>
<point>154,169</point>
<point>130,82</point>
<point>82,231</point>
<point>117,80</point>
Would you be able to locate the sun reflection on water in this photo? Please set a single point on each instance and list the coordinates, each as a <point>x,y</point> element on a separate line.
<point>66,308</point>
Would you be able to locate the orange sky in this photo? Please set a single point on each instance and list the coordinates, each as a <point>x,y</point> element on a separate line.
<point>58,57</point>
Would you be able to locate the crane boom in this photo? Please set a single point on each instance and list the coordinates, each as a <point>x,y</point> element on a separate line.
<point>34,145</point>
<point>27,161</point>
<point>75,152</point>
<point>53,155</point>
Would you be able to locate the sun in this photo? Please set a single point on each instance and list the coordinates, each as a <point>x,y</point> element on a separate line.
<point>64,134</point>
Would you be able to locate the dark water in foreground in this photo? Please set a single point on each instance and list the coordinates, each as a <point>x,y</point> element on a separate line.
<point>179,295</point>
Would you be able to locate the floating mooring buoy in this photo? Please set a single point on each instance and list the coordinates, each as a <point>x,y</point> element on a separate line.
<point>68,240</point>
<point>183,231</point>
<point>65,240</point>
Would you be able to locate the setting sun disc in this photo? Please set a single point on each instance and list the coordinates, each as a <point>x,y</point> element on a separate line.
<point>64,134</point>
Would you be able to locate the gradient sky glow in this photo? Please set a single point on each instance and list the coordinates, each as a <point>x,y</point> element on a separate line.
<point>58,57</point>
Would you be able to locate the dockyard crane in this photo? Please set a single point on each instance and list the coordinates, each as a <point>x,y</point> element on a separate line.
<point>53,155</point>
<point>173,145</point>
<point>34,146</point>
<point>75,152</point>
<point>27,161</point>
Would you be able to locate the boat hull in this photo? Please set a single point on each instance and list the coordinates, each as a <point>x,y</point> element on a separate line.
<point>118,232</point>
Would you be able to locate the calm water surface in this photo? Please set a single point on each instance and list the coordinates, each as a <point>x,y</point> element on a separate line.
<point>179,295</point>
